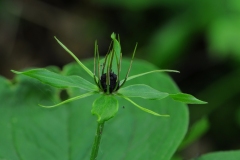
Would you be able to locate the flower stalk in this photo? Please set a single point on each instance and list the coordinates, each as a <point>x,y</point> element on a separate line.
<point>97,140</point>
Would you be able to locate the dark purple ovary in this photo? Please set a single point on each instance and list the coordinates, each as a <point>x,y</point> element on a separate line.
<point>113,82</point>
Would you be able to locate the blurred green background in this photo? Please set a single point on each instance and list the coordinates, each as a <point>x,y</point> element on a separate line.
<point>200,38</point>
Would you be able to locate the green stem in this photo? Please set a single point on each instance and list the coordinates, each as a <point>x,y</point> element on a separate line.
<point>97,141</point>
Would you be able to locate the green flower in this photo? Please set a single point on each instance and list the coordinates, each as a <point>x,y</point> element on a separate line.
<point>107,83</point>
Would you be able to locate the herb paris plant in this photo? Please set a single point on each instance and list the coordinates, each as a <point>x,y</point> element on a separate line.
<point>107,83</point>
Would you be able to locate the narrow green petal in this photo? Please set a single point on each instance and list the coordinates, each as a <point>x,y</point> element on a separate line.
<point>57,80</point>
<point>70,100</point>
<point>186,98</point>
<point>76,59</point>
<point>144,109</point>
<point>116,53</point>
<point>142,74</point>
<point>105,107</point>
<point>142,91</point>
<point>116,46</point>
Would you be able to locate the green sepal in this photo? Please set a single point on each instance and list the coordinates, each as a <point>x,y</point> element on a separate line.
<point>116,45</point>
<point>186,98</point>
<point>70,100</point>
<point>116,53</point>
<point>142,91</point>
<point>57,80</point>
<point>105,107</point>
<point>76,59</point>
<point>145,73</point>
<point>144,109</point>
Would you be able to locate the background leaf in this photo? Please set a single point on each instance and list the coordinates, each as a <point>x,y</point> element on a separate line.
<point>31,132</point>
<point>197,130</point>
<point>227,155</point>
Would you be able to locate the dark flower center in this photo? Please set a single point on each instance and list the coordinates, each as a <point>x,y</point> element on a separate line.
<point>113,82</point>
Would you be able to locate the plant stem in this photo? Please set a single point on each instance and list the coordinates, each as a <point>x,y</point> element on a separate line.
<point>97,140</point>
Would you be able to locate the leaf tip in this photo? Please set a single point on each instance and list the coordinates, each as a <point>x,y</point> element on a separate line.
<point>186,98</point>
<point>45,106</point>
<point>16,72</point>
<point>161,115</point>
<point>203,102</point>
<point>175,71</point>
<point>113,35</point>
<point>42,106</point>
<point>165,115</point>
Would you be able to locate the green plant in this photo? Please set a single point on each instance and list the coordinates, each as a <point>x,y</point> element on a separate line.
<point>107,85</point>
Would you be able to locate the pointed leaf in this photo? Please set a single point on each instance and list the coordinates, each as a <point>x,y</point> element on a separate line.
<point>145,73</point>
<point>142,91</point>
<point>186,98</point>
<point>70,100</point>
<point>76,59</point>
<point>105,107</point>
<point>144,109</point>
<point>58,80</point>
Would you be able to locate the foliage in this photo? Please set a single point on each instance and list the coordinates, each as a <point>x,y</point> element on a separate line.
<point>32,132</point>
<point>199,38</point>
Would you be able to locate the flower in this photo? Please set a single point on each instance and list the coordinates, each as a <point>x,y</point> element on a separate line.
<point>107,83</point>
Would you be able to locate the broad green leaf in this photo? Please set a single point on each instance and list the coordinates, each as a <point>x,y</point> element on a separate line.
<point>144,109</point>
<point>105,107</point>
<point>27,130</point>
<point>31,132</point>
<point>186,98</point>
<point>142,91</point>
<point>76,59</point>
<point>226,155</point>
<point>58,80</point>
<point>145,73</point>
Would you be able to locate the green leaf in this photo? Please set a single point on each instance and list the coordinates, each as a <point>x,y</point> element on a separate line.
<point>226,155</point>
<point>142,91</point>
<point>76,59</point>
<point>186,98</point>
<point>105,107</point>
<point>27,130</point>
<point>144,109</point>
<point>145,73</point>
<point>58,80</point>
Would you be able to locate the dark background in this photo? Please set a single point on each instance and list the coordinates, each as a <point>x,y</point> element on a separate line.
<point>200,38</point>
